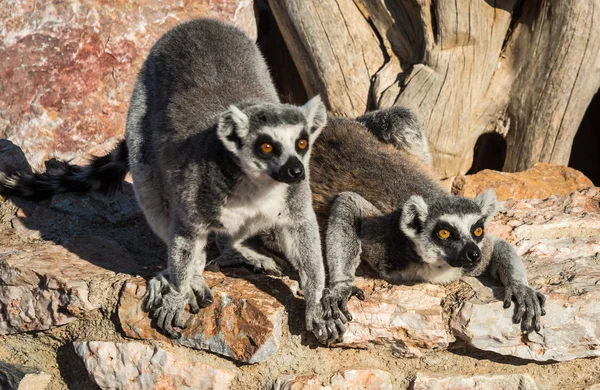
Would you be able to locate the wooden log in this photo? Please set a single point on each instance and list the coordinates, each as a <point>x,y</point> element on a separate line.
<point>524,69</point>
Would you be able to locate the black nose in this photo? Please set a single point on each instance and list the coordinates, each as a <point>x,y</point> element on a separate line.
<point>469,256</point>
<point>473,255</point>
<point>290,172</point>
<point>296,171</point>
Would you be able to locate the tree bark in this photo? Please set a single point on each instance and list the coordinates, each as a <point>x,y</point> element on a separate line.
<point>524,69</point>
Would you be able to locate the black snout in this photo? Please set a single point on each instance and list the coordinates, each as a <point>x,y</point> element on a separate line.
<point>292,171</point>
<point>469,256</point>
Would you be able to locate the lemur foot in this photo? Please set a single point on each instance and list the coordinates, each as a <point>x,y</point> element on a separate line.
<point>530,306</point>
<point>166,305</point>
<point>260,263</point>
<point>326,331</point>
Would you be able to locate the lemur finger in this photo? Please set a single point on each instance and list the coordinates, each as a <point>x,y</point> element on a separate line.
<point>542,298</point>
<point>536,319</point>
<point>529,313</point>
<point>320,332</point>
<point>194,306</point>
<point>168,324</point>
<point>507,297</point>
<point>338,314</point>
<point>520,310</point>
<point>179,320</point>
<point>332,333</point>
<point>327,310</point>
<point>358,293</point>
<point>345,311</point>
<point>341,330</point>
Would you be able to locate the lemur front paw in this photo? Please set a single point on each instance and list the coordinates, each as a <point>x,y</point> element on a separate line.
<point>335,301</point>
<point>167,305</point>
<point>326,331</point>
<point>530,306</point>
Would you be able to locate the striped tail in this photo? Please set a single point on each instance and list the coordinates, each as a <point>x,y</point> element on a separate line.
<point>104,174</point>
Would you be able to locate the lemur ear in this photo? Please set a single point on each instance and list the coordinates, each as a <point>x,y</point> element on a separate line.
<point>233,127</point>
<point>316,115</point>
<point>414,215</point>
<point>487,202</point>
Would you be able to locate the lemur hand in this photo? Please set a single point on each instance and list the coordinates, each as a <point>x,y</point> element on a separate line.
<point>166,305</point>
<point>530,305</point>
<point>316,324</point>
<point>335,309</point>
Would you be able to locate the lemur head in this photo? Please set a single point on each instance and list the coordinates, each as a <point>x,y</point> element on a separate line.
<point>273,140</point>
<point>449,228</point>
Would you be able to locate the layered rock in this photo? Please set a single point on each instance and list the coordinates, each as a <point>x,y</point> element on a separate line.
<point>479,382</point>
<point>559,239</point>
<point>15,377</point>
<point>43,285</point>
<point>538,182</point>
<point>68,68</point>
<point>139,366</point>
<point>408,319</point>
<point>346,379</point>
<point>244,322</point>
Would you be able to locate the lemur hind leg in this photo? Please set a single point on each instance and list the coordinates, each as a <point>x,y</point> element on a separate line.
<point>343,249</point>
<point>398,126</point>
<point>237,253</point>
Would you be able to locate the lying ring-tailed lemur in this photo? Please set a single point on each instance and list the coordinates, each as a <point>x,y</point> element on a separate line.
<point>374,196</point>
<point>211,149</point>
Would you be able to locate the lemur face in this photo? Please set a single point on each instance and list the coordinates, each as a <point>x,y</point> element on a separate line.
<point>273,141</point>
<point>450,228</point>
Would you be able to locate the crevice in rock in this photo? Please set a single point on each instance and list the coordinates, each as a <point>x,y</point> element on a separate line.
<point>489,153</point>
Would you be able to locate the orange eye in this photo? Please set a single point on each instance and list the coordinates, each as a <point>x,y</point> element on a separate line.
<point>478,232</point>
<point>302,144</point>
<point>266,147</point>
<point>443,234</point>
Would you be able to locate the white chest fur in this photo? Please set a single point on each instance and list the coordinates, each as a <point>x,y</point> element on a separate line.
<point>252,207</point>
<point>439,273</point>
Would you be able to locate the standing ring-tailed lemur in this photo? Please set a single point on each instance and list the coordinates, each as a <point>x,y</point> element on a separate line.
<point>211,149</point>
<point>377,201</point>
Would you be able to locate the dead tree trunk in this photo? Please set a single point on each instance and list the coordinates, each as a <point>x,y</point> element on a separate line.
<point>524,69</point>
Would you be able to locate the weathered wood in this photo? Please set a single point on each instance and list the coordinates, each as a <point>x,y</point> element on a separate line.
<point>524,69</point>
<point>555,53</point>
<point>334,48</point>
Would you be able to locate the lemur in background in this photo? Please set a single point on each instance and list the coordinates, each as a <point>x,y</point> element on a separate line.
<point>375,197</point>
<point>211,149</point>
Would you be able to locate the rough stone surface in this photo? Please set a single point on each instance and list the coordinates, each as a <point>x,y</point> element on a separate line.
<point>346,379</point>
<point>409,319</point>
<point>480,382</point>
<point>538,182</point>
<point>15,377</point>
<point>43,285</point>
<point>244,322</point>
<point>139,366</point>
<point>559,239</point>
<point>68,68</point>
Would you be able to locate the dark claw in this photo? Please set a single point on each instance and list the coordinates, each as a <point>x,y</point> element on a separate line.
<point>358,293</point>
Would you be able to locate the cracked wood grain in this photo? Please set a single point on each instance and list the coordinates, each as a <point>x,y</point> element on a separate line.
<point>524,69</point>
